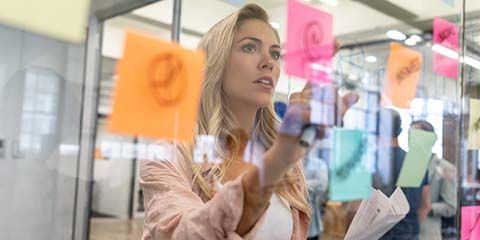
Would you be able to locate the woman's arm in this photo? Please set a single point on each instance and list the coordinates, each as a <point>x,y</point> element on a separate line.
<point>174,211</point>
<point>283,154</point>
<point>277,161</point>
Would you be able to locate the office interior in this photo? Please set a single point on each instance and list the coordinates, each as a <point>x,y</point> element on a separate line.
<point>63,175</point>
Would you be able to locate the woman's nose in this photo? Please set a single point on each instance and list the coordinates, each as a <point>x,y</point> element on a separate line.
<point>267,63</point>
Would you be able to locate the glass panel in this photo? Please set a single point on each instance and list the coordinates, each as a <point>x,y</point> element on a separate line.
<point>365,30</point>
<point>41,84</point>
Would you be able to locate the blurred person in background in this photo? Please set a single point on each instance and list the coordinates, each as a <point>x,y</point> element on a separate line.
<point>418,197</point>
<point>316,173</point>
<point>443,191</point>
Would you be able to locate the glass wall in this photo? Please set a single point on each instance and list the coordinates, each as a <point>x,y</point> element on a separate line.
<point>58,161</point>
<point>41,100</point>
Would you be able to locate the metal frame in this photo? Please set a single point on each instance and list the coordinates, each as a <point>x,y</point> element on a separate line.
<point>90,101</point>
<point>87,130</point>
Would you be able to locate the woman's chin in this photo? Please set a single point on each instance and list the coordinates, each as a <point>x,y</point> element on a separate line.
<point>264,103</point>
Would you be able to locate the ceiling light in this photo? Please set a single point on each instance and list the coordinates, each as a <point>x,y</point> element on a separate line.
<point>472,62</point>
<point>396,35</point>
<point>410,42</point>
<point>371,59</point>
<point>416,38</point>
<point>447,52</point>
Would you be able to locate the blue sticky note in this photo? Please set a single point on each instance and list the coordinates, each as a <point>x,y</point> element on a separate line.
<point>349,178</point>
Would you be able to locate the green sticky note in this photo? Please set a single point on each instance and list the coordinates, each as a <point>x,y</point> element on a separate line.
<point>349,179</point>
<point>414,166</point>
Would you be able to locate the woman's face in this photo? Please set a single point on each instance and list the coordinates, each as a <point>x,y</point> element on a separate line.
<point>254,65</point>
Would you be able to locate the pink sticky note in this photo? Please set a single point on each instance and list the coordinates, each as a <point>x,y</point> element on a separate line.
<point>310,43</point>
<point>445,34</point>
<point>470,229</point>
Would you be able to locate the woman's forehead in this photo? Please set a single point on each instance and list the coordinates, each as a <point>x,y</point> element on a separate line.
<point>256,29</point>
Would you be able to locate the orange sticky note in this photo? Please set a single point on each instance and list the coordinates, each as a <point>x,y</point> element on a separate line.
<point>403,68</point>
<point>158,89</point>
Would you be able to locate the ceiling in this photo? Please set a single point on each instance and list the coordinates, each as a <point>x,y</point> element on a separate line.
<point>350,16</point>
<point>354,21</point>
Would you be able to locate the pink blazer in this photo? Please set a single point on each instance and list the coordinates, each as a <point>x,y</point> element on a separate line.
<point>176,209</point>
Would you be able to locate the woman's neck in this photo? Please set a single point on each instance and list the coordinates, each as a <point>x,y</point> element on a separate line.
<point>245,116</point>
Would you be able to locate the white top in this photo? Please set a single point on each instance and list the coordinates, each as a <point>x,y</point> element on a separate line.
<point>278,222</point>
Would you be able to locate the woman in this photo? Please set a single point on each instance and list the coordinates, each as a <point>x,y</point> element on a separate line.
<point>186,200</point>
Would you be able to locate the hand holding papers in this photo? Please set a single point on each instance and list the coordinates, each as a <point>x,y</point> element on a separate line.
<point>377,215</point>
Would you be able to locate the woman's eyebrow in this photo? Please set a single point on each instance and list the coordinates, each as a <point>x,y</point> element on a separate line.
<point>251,38</point>
<point>259,41</point>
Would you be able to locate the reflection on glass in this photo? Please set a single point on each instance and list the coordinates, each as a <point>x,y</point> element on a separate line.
<point>40,104</point>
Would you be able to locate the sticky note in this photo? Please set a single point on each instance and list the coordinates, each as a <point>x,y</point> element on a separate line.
<point>445,34</point>
<point>158,89</point>
<point>310,43</point>
<point>403,69</point>
<point>470,229</point>
<point>349,178</point>
<point>474,125</point>
<point>416,161</point>
<point>60,19</point>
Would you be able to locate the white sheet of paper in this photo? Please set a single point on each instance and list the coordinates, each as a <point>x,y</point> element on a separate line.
<point>377,215</point>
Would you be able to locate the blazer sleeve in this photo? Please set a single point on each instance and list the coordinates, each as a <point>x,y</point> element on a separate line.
<point>174,211</point>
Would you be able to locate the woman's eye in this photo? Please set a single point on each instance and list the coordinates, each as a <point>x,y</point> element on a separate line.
<point>276,55</point>
<point>249,48</point>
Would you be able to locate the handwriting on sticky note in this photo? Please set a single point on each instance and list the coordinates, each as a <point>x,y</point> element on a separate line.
<point>474,125</point>
<point>417,158</point>
<point>158,89</point>
<point>403,70</point>
<point>412,67</point>
<point>310,42</point>
<point>167,81</point>
<point>445,33</point>
<point>344,170</point>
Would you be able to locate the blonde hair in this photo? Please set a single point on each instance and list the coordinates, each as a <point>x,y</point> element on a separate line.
<point>216,119</point>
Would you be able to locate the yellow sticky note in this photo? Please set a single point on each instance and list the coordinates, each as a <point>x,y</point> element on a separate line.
<point>61,19</point>
<point>474,125</point>
<point>158,89</point>
<point>403,69</point>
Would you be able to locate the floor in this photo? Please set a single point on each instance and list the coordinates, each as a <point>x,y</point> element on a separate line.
<point>116,229</point>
